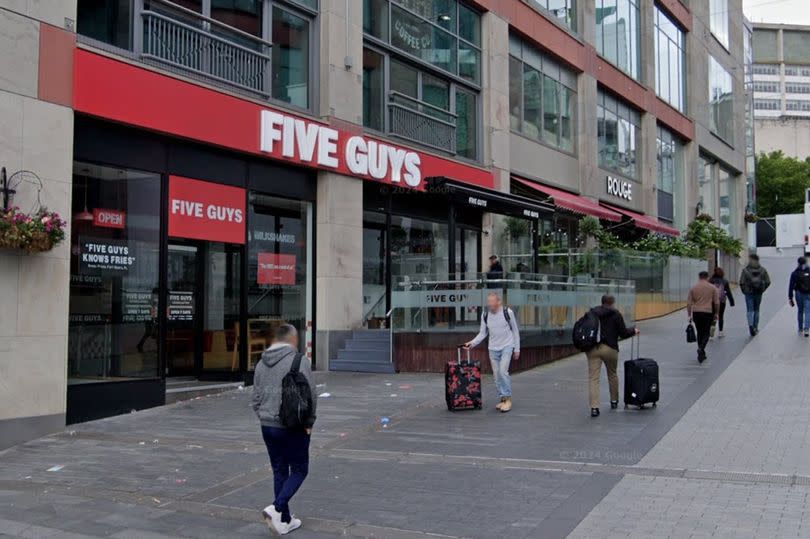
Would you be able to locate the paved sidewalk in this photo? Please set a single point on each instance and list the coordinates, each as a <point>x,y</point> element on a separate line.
<point>198,469</point>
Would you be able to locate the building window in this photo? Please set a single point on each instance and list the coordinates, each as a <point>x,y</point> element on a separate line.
<point>222,41</point>
<point>542,99</point>
<point>766,69</point>
<point>721,102</point>
<point>728,207</point>
<point>718,20</point>
<point>619,134</point>
<point>670,178</point>
<point>791,71</point>
<point>617,34</point>
<point>563,11</point>
<point>113,324</point>
<point>421,71</point>
<point>670,69</point>
<point>767,104</point>
<point>707,186</point>
<point>797,87</point>
<point>767,87</point>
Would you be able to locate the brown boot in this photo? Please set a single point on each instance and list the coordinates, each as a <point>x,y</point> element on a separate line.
<point>506,405</point>
<point>499,406</point>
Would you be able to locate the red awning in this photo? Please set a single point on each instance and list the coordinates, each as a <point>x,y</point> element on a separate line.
<point>572,202</point>
<point>645,221</point>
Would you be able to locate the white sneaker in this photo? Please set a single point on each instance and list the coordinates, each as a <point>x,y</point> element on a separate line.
<point>273,520</point>
<point>294,524</point>
<point>720,334</point>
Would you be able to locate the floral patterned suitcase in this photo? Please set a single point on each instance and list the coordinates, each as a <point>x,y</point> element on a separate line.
<point>462,381</point>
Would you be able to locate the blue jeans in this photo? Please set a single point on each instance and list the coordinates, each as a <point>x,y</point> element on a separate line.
<point>803,310</point>
<point>289,458</point>
<point>500,360</point>
<point>752,302</point>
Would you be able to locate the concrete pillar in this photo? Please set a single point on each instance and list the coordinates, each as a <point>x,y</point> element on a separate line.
<point>591,180</point>
<point>36,134</point>
<point>341,65</point>
<point>338,263</point>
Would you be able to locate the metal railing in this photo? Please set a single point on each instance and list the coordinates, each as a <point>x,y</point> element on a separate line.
<point>421,122</point>
<point>203,46</point>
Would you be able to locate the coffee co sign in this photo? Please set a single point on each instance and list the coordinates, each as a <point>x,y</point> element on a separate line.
<point>620,188</point>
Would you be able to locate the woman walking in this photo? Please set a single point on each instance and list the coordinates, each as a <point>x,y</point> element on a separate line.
<point>721,283</point>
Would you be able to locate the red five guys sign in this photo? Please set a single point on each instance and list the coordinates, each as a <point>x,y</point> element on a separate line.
<point>206,211</point>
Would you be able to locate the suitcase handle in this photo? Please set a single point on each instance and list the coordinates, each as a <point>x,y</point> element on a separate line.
<point>458,351</point>
<point>635,340</point>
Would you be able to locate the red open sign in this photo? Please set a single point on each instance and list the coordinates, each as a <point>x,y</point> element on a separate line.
<point>109,218</point>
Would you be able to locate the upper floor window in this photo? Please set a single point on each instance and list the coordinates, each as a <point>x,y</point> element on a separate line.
<point>261,46</point>
<point>617,34</point>
<point>670,178</point>
<point>721,101</point>
<point>564,11</point>
<point>718,20</point>
<point>619,135</point>
<point>767,104</point>
<point>791,71</point>
<point>766,69</point>
<point>542,96</point>
<point>670,69</point>
<point>443,33</point>
<point>797,87</point>
<point>766,86</point>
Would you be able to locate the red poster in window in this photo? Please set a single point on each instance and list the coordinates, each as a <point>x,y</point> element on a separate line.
<point>109,218</point>
<point>206,211</point>
<point>276,269</point>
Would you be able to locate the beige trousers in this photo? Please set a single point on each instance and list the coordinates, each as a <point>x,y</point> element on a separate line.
<point>610,357</point>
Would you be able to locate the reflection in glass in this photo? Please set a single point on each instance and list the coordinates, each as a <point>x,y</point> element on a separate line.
<point>373,89</point>
<point>244,15</point>
<point>290,58</point>
<point>105,20</point>
<point>112,329</point>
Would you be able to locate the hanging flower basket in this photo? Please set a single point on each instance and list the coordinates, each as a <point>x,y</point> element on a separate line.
<point>33,233</point>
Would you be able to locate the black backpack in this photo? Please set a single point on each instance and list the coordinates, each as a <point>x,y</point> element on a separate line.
<point>587,332</point>
<point>506,316</point>
<point>803,281</point>
<point>296,398</point>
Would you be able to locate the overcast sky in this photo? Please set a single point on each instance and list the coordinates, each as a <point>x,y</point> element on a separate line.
<point>784,11</point>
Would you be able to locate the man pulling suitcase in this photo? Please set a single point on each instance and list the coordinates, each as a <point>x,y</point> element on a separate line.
<point>499,324</point>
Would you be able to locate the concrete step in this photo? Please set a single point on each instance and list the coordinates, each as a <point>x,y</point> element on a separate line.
<point>375,356</point>
<point>367,345</point>
<point>347,365</point>
<point>371,335</point>
<point>183,390</point>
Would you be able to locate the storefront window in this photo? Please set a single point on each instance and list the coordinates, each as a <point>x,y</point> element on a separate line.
<point>418,247</point>
<point>707,186</point>
<point>670,57</point>
<point>113,324</point>
<point>670,178</point>
<point>542,100</point>
<point>618,128</point>
<point>617,34</point>
<point>374,260</point>
<point>512,242</point>
<point>721,101</point>
<point>727,190</point>
<point>279,281</point>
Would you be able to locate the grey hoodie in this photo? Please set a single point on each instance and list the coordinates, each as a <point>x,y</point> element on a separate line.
<point>275,364</point>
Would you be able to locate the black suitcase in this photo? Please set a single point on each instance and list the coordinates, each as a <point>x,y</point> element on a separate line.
<point>641,385</point>
<point>462,384</point>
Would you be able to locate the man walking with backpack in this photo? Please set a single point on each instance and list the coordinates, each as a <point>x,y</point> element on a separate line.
<point>611,328</point>
<point>702,306</point>
<point>754,281</point>
<point>284,399</point>
<point>499,324</point>
<point>799,294</point>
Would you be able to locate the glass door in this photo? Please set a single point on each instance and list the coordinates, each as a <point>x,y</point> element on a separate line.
<point>181,308</point>
<point>221,287</point>
<point>374,274</point>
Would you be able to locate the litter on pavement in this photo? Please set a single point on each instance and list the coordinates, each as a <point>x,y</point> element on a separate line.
<point>56,468</point>
<point>324,395</point>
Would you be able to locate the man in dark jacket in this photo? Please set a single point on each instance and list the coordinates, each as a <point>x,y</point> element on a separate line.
<point>754,281</point>
<point>495,272</point>
<point>718,279</point>
<point>611,329</point>
<point>288,448</point>
<point>799,294</point>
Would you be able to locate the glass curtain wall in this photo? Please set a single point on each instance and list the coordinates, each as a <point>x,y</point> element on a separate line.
<point>619,135</point>
<point>670,61</point>
<point>726,186</point>
<point>670,179</point>
<point>542,96</point>
<point>721,101</point>
<point>512,242</point>
<point>617,34</point>
<point>115,237</point>
<point>707,186</point>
